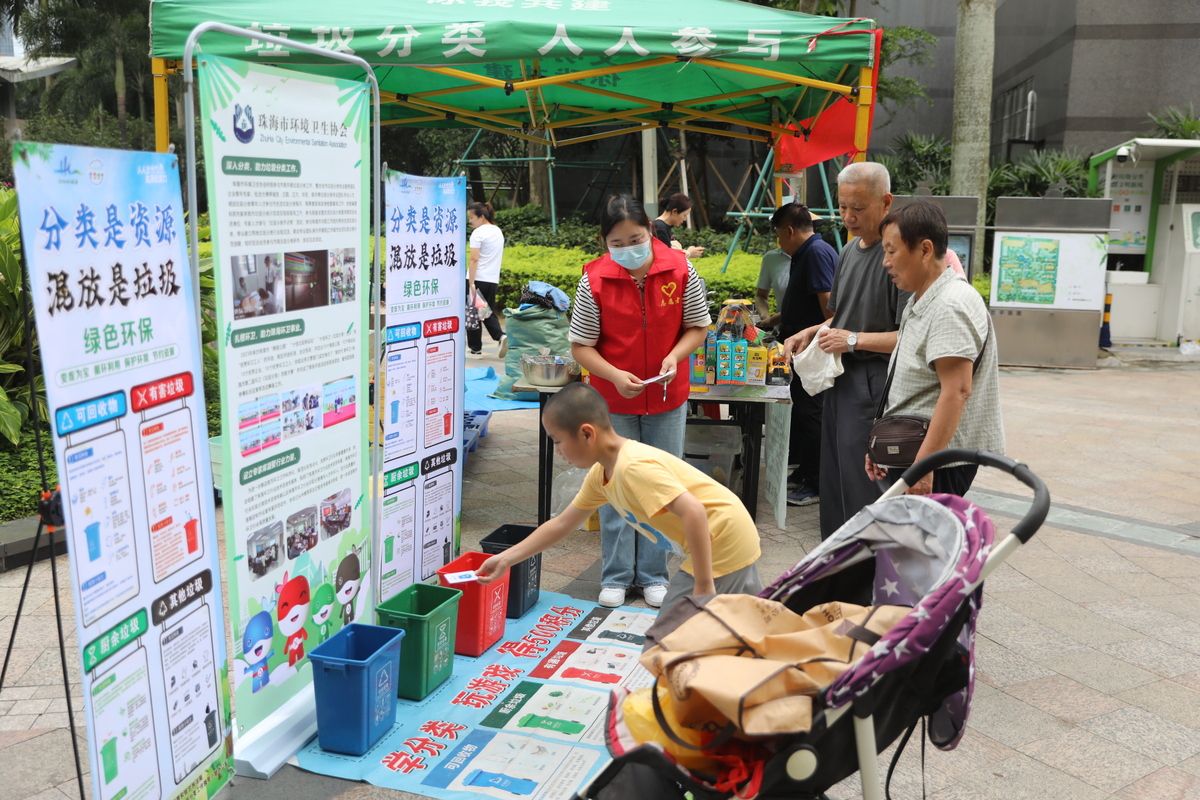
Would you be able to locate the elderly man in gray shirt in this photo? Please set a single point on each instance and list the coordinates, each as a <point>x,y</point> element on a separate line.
<point>866,308</point>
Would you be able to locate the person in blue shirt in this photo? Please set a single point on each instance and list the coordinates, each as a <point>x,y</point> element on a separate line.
<point>805,303</point>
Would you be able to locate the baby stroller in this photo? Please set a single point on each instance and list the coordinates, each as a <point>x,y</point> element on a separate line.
<point>930,552</point>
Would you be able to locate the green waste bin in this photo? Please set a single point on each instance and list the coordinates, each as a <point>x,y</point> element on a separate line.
<point>428,615</point>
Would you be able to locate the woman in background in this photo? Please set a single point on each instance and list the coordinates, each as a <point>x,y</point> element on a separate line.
<point>675,211</point>
<point>483,273</point>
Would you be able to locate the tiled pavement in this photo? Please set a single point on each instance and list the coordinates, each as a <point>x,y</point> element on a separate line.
<point>1088,654</point>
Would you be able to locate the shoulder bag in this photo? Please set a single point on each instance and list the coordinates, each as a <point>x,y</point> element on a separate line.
<point>895,440</point>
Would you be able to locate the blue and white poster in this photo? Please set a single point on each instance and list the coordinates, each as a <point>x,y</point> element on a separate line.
<point>115,306</point>
<point>423,372</point>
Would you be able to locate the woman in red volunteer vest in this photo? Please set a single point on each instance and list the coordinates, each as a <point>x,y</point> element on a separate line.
<point>639,312</point>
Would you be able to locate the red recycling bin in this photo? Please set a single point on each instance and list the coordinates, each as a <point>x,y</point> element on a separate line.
<point>192,530</point>
<point>480,610</point>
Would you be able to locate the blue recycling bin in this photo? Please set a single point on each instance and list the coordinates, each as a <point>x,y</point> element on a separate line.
<point>355,673</point>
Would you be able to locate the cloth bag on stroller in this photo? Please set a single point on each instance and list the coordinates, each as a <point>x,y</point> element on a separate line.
<point>749,667</point>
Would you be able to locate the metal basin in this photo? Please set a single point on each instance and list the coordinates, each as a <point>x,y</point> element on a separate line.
<point>549,370</point>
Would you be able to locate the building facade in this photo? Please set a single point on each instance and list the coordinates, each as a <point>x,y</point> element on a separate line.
<point>1077,74</point>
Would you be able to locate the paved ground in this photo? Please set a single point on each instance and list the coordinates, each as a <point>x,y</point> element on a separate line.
<point>1088,653</point>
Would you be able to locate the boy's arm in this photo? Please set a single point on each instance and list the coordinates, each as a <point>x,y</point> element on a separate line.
<point>546,534</point>
<point>699,539</point>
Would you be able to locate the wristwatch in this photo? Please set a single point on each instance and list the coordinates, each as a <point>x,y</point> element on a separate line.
<point>851,341</point>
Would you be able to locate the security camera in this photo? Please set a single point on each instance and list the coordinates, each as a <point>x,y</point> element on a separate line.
<point>1122,154</point>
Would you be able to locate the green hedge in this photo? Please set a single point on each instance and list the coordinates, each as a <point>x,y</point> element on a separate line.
<point>20,479</point>
<point>563,266</point>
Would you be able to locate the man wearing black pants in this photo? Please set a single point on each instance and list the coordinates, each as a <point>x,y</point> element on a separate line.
<point>805,304</point>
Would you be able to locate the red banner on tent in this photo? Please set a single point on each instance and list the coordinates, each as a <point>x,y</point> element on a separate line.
<point>828,134</point>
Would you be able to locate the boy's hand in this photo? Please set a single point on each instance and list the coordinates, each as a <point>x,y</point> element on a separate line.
<point>490,570</point>
<point>628,385</point>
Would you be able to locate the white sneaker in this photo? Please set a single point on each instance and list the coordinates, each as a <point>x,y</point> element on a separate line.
<point>503,348</point>
<point>654,595</point>
<point>611,597</point>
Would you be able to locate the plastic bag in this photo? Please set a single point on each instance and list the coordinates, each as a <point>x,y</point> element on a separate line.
<point>471,317</point>
<point>816,368</point>
<point>482,309</point>
<point>566,486</point>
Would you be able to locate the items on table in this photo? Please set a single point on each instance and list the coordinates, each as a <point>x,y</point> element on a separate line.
<point>737,353</point>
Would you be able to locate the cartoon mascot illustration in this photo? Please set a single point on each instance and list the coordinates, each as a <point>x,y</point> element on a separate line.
<point>347,583</point>
<point>323,599</point>
<point>292,613</point>
<point>256,647</point>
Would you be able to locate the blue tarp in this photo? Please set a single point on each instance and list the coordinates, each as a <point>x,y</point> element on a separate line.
<point>524,720</point>
<point>481,383</point>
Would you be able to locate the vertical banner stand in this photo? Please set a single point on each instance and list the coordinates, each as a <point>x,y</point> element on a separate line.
<point>261,753</point>
<point>50,513</point>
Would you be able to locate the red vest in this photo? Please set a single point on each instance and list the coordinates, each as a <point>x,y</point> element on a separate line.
<point>638,329</point>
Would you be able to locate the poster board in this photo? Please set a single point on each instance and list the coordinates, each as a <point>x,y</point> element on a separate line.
<point>1063,271</point>
<point>423,373</point>
<point>526,719</point>
<point>287,158</point>
<point>115,306</point>
<point>1130,194</point>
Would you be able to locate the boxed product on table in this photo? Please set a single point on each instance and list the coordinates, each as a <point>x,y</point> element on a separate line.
<point>756,365</point>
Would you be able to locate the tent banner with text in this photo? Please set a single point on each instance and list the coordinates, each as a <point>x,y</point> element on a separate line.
<point>525,719</point>
<point>115,305</point>
<point>423,378</point>
<point>288,177</point>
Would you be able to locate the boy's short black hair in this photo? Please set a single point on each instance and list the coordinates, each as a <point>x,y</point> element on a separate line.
<point>575,405</point>
<point>918,221</point>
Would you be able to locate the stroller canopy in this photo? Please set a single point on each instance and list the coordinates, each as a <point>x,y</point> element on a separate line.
<point>928,553</point>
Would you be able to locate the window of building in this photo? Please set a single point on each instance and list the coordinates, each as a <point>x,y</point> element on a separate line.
<point>1014,120</point>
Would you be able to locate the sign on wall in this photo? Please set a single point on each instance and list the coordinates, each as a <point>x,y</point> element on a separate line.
<point>1130,194</point>
<point>115,307</point>
<point>287,162</point>
<point>422,372</point>
<point>1049,270</point>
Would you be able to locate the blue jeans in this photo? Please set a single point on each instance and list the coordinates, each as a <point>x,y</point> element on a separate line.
<point>628,558</point>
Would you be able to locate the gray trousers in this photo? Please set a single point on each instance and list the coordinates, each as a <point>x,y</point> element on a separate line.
<point>740,581</point>
<point>849,412</point>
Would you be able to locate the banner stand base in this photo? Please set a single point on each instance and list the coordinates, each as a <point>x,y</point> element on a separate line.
<point>277,738</point>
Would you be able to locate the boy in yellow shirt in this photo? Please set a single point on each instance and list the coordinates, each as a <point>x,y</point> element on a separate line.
<point>665,499</point>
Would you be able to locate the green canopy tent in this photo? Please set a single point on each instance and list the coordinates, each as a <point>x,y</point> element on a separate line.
<point>536,69</point>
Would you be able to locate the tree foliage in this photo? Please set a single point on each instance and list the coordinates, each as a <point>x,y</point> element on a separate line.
<point>107,36</point>
<point>901,45</point>
<point>1176,123</point>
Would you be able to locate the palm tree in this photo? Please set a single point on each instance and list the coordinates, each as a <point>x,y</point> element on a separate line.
<point>57,27</point>
<point>974,51</point>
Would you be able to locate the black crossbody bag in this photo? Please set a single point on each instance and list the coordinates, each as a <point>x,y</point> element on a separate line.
<point>895,440</point>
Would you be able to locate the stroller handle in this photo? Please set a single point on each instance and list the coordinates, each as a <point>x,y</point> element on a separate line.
<point>1034,517</point>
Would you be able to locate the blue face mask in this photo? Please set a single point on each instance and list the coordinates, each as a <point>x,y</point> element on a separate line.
<point>631,257</point>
